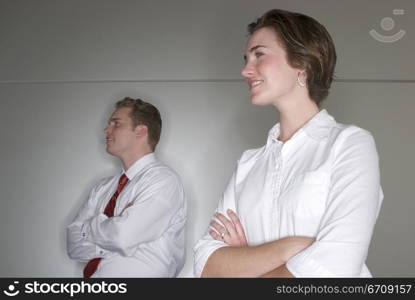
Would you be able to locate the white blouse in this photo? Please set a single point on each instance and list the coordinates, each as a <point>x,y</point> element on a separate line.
<point>324,183</point>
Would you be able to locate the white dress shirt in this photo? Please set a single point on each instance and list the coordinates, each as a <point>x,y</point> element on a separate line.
<point>323,183</point>
<point>148,238</point>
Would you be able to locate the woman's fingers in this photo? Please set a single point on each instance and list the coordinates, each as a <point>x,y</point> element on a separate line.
<point>230,228</point>
<point>215,235</point>
<point>238,226</point>
<point>235,220</point>
<point>219,228</point>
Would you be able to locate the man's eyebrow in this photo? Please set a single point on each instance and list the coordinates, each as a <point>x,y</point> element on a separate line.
<point>254,48</point>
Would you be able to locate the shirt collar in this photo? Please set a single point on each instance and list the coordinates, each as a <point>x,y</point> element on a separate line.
<point>139,165</point>
<point>320,125</point>
<point>317,127</point>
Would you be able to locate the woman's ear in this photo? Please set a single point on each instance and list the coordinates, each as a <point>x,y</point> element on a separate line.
<point>302,78</point>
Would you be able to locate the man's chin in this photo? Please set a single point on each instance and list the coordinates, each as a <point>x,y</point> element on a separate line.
<point>110,151</point>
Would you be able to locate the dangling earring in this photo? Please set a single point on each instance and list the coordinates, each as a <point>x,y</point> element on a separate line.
<point>300,83</point>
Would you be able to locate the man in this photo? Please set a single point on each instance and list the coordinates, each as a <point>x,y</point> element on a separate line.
<point>132,224</point>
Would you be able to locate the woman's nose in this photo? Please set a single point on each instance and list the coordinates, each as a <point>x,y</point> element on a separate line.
<point>247,70</point>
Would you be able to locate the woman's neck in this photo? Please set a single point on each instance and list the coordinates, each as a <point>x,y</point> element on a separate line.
<point>293,117</point>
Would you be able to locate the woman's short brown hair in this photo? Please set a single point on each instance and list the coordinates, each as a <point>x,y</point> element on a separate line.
<point>144,113</point>
<point>308,46</point>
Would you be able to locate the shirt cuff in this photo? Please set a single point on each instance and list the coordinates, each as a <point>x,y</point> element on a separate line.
<point>100,252</point>
<point>85,229</point>
<point>202,254</point>
<point>301,265</point>
<point>87,226</point>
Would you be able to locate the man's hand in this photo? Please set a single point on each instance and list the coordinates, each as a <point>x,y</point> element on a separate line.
<point>127,206</point>
<point>230,231</point>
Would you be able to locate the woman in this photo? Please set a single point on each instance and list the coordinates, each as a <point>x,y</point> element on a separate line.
<point>305,204</point>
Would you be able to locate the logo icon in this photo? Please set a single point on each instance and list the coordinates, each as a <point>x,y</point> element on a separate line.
<point>388,24</point>
<point>11,290</point>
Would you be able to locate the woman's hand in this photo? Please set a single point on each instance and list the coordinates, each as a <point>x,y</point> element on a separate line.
<point>230,231</point>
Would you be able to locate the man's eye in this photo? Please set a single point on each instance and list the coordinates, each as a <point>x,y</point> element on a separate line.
<point>258,54</point>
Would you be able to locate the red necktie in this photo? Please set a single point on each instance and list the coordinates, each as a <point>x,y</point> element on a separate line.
<point>92,265</point>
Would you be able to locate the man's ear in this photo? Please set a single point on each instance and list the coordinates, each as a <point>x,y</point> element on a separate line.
<point>141,130</point>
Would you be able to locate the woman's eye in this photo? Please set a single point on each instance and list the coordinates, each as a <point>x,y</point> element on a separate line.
<point>258,54</point>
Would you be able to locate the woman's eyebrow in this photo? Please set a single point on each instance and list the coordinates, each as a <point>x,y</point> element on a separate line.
<point>255,48</point>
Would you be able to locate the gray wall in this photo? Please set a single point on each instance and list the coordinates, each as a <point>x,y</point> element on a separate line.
<point>64,63</point>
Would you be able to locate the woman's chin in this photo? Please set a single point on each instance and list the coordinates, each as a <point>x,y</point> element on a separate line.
<point>258,101</point>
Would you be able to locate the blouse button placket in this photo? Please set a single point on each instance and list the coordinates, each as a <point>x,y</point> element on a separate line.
<point>277,189</point>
